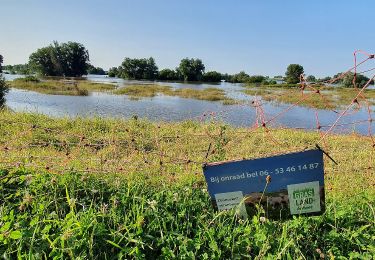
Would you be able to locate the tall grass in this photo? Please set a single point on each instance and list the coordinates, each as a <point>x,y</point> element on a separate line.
<point>329,97</point>
<point>109,189</point>
<point>209,94</point>
<point>60,87</point>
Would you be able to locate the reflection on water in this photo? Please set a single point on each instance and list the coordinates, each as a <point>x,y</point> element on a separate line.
<point>168,108</point>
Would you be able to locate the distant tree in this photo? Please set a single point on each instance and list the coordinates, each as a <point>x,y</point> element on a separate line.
<point>278,77</point>
<point>168,74</point>
<point>95,70</point>
<point>23,69</point>
<point>3,86</point>
<point>191,69</point>
<point>311,78</point>
<point>113,72</point>
<point>241,77</point>
<point>256,79</point>
<point>269,82</point>
<point>348,79</point>
<point>325,79</point>
<point>293,73</point>
<point>227,77</point>
<point>138,69</point>
<point>69,59</point>
<point>212,76</point>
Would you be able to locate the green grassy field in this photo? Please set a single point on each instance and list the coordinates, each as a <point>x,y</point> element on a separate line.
<point>109,189</point>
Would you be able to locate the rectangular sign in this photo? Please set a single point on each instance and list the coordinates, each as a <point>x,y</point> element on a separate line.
<point>283,185</point>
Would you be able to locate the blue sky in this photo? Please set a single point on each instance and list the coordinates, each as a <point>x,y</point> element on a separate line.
<point>260,37</point>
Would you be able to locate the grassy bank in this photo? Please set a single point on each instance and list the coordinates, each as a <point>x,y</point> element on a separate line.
<point>329,97</point>
<point>87,188</point>
<point>60,87</point>
<point>209,94</point>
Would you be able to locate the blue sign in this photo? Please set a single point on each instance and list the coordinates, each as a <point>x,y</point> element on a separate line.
<point>284,185</point>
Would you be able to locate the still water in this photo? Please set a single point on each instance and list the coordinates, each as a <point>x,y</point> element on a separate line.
<point>166,108</point>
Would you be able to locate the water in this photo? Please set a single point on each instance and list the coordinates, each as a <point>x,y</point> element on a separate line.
<point>166,108</point>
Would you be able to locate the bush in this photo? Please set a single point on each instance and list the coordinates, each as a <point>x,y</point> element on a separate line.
<point>3,90</point>
<point>28,79</point>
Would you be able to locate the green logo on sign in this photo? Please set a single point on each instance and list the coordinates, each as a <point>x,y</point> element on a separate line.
<point>304,197</point>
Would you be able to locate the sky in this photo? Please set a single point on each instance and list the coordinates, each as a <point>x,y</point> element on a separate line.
<point>258,37</point>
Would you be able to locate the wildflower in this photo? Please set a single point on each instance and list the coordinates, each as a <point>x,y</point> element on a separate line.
<point>262,219</point>
<point>152,204</point>
<point>321,255</point>
<point>175,196</point>
<point>72,202</point>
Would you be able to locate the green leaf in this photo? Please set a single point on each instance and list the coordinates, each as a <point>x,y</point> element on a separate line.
<point>15,234</point>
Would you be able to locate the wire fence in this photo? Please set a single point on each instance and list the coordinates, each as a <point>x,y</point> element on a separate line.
<point>124,150</point>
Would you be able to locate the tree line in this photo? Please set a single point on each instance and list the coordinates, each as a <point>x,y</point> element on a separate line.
<point>71,59</point>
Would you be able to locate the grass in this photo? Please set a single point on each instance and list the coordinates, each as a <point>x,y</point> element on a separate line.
<point>109,189</point>
<point>328,98</point>
<point>140,91</point>
<point>208,94</point>
<point>60,87</point>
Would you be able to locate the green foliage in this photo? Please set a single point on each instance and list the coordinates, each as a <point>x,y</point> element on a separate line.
<point>191,69</point>
<point>347,80</point>
<point>27,79</point>
<point>311,78</point>
<point>138,69</point>
<point>95,70</point>
<point>293,73</point>
<point>22,69</point>
<point>212,76</point>
<point>256,79</point>
<point>241,77</point>
<point>325,79</point>
<point>113,72</point>
<point>269,82</point>
<point>1,63</point>
<point>3,85</point>
<point>69,59</point>
<point>168,74</point>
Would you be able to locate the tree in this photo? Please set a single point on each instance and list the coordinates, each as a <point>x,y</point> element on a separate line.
<point>256,79</point>
<point>69,59</point>
<point>348,79</point>
<point>95,70</point>
<point>241,77</point>
<point>212,76</point>
<point>138,69</point>
<point>293,73</point>
<point>325,79</point>
<point>1,63</point>
<point>168,74</point>
<point>3,86</point>
<point>22,69</point>
<point>113,72</point>
<point>311,78</point>
<point>191,69</point>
